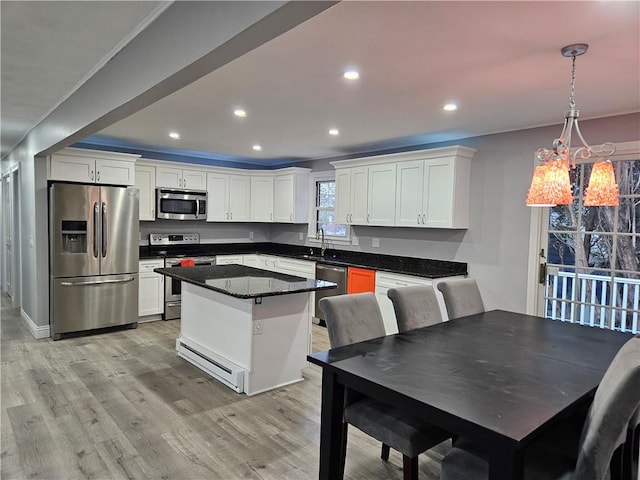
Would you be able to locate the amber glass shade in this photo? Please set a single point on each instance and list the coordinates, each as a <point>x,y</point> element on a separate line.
<point>550,185</point>
<point>603,189</point>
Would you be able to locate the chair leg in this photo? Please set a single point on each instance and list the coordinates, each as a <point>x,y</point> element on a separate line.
<point>343,453</point>
<point>410,468</point>
<point>384,455</point>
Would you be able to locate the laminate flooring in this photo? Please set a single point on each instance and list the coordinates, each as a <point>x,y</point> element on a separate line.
<point>123,405</point>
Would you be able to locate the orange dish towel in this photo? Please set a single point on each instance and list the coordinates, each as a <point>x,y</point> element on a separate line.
<point>187,262</point>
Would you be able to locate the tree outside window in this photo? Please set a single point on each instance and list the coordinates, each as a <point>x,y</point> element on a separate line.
<point>324,210</point>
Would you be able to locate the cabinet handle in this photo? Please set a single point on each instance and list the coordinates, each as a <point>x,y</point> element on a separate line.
<point>98,175</point>
<point>152,213</point>
<point>418,219</point>
<point>184,183</point>
<point>291,217</point>
<point>231,216</point>
<point>368,215</point>
<point>91,175</point>
<point>424,217</point>
<point>271,216</point>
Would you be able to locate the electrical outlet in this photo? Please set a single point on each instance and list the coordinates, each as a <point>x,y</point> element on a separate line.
<point>355,241</point>
<point>250,235</point>
<point>375,242</point>
<point>301,236</point>
<point>257,327</point>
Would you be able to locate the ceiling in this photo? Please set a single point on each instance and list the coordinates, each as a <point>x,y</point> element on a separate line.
<point>499,61</point>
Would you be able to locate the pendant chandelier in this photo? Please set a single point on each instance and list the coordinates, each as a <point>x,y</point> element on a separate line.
<point>551,184</point>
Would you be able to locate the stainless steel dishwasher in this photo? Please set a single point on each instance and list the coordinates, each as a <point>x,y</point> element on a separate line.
<point>330,274</point>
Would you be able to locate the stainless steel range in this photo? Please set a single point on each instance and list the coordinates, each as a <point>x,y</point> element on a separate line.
<point>173,292</point>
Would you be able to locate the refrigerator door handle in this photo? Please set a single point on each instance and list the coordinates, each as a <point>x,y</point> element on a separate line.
<point>96,282</point>
<point>104,229</point>
<point>96,228</point>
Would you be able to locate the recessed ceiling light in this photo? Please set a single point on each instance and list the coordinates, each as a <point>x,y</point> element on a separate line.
<point>174,135</point>
<point>450,107</point>
<point>239,112</point>
<point>257,148</point>
<point>334,131</point>
<point>351,75</point>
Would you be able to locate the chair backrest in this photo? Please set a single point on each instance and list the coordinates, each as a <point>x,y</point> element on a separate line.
<point>614,405</point>
<point>461,297</point>
<point>352,318</point>
<point>415,306</point>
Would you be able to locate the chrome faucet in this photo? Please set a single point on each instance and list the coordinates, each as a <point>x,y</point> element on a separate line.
<point>323,245</point>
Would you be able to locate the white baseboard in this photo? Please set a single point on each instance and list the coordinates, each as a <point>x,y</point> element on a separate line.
<point>38,332</point>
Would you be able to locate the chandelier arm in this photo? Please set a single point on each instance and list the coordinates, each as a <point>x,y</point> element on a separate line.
<point>583,152</point>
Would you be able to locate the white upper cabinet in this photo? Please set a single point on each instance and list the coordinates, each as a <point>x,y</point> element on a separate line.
<point>146,183</point>
<point>351,195</point>
<point>381,201</point>
<point>262,198</point>
<point>366,195</point>
<point>181,178</point>
<point>290,195</point>
<point>435,192</point>
<point>426,188</point>
<point>92,166</point>
<point>228,197</point>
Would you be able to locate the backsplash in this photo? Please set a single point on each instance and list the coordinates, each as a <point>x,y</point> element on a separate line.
<point>209,232</point>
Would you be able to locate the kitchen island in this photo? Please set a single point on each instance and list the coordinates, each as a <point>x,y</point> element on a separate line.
<point>247,327</point>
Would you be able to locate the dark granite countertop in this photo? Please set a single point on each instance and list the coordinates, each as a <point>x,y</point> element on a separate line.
<point>244,282</point>
<point>421,267</point>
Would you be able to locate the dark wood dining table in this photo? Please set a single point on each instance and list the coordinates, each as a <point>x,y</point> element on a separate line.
<point>498,378</point>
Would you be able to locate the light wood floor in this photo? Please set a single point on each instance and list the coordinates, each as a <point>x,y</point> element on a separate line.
<point>123,405</point>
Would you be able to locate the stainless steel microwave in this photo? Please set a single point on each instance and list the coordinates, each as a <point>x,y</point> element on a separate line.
<point>181,204</point>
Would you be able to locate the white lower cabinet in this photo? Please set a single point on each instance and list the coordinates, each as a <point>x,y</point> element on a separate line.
<point>297,268</point>
<point>250,260</point>
<point>151,288</point>
<point>229,259</point>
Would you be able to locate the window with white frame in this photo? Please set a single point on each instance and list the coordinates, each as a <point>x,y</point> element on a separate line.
<point>323,190</point>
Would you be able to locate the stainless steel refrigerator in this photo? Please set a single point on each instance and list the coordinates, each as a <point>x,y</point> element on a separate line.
<point>93,259</point>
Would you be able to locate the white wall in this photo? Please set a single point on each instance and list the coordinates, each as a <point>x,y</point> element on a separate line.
<point>496,244</point>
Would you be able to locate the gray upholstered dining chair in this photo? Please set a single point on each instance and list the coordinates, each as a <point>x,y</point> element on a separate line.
<point>600,455</point>
<point>461,296</point>
<point>355,318</point>
<point>415,306</point>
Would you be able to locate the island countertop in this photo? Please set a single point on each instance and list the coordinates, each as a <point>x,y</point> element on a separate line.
<point>244,282</point>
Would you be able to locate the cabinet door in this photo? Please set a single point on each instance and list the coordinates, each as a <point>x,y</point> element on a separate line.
<point>239,198</point>
<point>360,280</point>
<point>250,260</point>
<point>217,197</point>
<point>262,199</point>
<point>409,182</point>
<point>150,289</point>
<point>168,177</point>
<point>115,172</point>
<point>73,168</point>
<point>437,203</point>
<point>359,195</point>
<point>146,183</point>
<point>283,198</point>
<point>194,179</point>
<point>343,195</point>
<point>381,200</point>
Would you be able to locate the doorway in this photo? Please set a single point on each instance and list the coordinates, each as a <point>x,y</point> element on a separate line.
<point>589,257</point>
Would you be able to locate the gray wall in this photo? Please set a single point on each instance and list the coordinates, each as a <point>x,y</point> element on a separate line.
<point>209,232</point>
<point>496,244</point>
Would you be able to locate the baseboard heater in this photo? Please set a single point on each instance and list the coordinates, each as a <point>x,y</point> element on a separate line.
<point>220,368</point>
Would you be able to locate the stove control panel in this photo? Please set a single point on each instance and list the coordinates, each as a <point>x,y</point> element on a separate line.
<point>174,238</point>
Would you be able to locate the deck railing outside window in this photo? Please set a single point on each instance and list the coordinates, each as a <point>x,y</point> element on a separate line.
<point>594,300</point>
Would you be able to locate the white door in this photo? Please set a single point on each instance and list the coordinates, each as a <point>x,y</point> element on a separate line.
<point>409,181</point>
<point>262,199</point>
<point>359,195</point>
<point>217,197</point>
<point>592,256</point>
<point>7,226</point>
<point>239,198</point>
<point>381,201</point>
